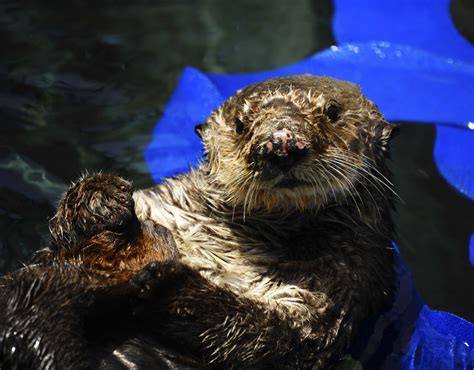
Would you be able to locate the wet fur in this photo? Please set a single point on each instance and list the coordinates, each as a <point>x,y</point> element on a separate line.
<point>317,257</point>
<point>263,275</point>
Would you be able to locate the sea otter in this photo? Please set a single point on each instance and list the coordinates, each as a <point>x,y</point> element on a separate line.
<point>283,235</point>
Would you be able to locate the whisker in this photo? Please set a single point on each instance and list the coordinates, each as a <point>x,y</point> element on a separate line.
<point>352,189</point>
<point>384,181</point>
<point>376,185</point>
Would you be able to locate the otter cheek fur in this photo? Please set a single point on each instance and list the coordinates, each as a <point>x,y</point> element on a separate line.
<point>288,221</point>
<point>333,135</point>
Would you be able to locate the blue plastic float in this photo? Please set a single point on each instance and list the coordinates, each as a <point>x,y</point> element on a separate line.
<point>408,57</point>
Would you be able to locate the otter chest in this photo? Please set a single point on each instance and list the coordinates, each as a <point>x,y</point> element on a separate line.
<point>237,262</point>
<point>240,256</point>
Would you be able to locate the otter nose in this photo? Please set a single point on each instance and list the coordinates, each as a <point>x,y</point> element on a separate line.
<point>284,149</point>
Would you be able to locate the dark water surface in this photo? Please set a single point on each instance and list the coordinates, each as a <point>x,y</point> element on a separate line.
<point>83,82</point>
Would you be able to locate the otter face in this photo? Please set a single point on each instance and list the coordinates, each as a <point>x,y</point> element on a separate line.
<point>295,142</point>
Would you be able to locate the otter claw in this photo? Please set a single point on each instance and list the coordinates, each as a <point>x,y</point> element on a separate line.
<point>157,275</point>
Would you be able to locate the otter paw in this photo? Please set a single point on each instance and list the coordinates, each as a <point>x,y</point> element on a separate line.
<point>94,204</point>
<point>159,277</point>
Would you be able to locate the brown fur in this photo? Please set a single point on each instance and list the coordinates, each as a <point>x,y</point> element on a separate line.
<point>274,266</point>
<point>96,225</point>
<point>302,102</point>
<point>314,258</point>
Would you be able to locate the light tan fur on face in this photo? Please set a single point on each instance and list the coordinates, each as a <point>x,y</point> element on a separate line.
<point>330,173</point>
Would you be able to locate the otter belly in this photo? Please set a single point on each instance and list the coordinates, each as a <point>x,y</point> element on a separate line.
<point>241,264</point>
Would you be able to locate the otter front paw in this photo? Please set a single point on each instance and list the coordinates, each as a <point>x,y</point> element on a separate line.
<point>157,276</point>
<point>94,204</point>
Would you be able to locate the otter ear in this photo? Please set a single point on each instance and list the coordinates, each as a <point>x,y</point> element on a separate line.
<point>389,131</point>
<point>198,129</point>
<point>386,132</point>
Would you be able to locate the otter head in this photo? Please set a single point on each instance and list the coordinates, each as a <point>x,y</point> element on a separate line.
<point>294,142</point>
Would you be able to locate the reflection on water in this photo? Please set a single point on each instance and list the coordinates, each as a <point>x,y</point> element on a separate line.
<point>35,182</point>
<point>82,84</point>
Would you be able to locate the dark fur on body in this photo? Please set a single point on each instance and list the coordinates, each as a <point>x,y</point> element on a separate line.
<point>283,236</point>
<point>79,303</point>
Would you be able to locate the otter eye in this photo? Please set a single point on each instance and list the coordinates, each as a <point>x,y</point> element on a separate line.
<point>332,112</point>
<point>239,126</point>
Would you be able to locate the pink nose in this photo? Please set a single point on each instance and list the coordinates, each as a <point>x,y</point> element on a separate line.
<point>283,136</point>
<point>283,141</point>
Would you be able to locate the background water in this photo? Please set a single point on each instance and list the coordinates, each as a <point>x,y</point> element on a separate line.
<point>83,82</point>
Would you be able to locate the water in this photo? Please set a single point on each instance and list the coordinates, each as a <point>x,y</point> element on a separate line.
<point>83,82</point>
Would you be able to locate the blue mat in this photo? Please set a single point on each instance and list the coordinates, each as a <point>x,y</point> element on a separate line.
<point>408,58</point>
